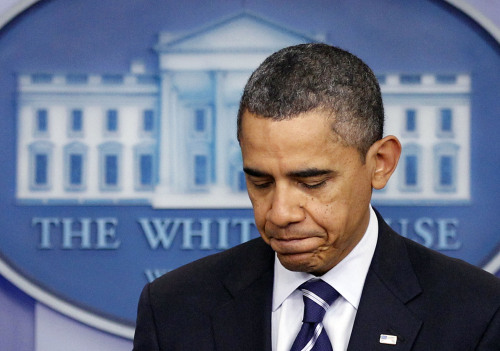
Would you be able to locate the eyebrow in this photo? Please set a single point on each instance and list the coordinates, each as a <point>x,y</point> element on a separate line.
<point>305,173</point>
<point>309,172</point>
<point>254,173</point>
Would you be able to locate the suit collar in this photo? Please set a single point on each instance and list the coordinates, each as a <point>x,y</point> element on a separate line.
<point>392,264</point>
<point>390,284</point>
<point>244,321</point>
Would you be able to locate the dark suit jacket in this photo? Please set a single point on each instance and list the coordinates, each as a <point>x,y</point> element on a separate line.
<point>223,302</point>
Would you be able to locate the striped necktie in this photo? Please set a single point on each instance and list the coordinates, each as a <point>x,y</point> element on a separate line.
<point>318,296</point>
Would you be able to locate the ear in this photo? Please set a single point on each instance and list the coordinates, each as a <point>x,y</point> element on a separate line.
<point>384,156</point>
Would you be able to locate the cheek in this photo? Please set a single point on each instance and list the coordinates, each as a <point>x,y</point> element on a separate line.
<point>326,215</point>
<point>331,217</point>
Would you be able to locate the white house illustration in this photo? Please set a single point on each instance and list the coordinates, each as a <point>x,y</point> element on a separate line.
<point>168,138</point>
<point>430,113</point>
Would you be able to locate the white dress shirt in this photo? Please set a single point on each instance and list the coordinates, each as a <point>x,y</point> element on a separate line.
<point>347,277</point>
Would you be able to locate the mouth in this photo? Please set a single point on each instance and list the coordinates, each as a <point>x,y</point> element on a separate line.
<point>295,246</point>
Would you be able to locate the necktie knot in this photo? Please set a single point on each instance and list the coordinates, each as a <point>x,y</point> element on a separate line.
<point>318,296</point>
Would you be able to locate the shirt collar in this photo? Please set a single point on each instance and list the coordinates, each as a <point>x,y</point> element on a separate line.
<point>347,277</point>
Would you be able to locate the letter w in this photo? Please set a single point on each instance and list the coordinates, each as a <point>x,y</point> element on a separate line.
<point>157,231</point>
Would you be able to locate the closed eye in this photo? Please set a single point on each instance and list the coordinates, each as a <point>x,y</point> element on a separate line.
<point>260,184</point>
<point>258,179</point>
<point>315,185</point>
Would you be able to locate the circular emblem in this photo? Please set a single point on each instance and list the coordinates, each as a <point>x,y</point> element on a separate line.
<point>119,151</point>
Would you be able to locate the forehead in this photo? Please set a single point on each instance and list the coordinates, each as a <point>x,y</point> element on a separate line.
<point>305,126</point>
<point>300,142</point>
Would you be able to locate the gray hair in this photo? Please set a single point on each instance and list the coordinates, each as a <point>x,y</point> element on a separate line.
<point>307,77</point>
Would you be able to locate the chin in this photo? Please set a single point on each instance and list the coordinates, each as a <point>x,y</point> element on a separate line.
<point>298,265</point>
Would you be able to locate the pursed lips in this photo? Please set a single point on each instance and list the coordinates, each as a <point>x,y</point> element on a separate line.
<point>294,243</point>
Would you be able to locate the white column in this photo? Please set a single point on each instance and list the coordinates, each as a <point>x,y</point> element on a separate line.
<point>221,140</point>
<point>164,123</point>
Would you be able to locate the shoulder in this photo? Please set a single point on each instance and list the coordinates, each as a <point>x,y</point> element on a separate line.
<point>443,280</point>
<point>207,274</point>
<point>432,267</point>
<point>457,275</point>
<point>176,308</point>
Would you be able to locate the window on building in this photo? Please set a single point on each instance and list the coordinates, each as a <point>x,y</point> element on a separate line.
<point>446,78</point>
<point>40,159</point>
<point>42,121</point>
<point>109,166</point>
<point>41,78</point>
<point>411,121</point>
<point>76,79</point>
<point>410,79</point>
<point>148,122</point>
<point>74,166</point>
<point>112,79</point>
<point>445,170</point>
<point>112,121</point>
<point>445,167</point>
<point>77,121</point>
<point>41,169</point>
<point>145,166</point>
<point>236,174</point>
<point>146,169</point>
<point>242,183</point>
<point>410,168</point>
<point>147,79</point>
<point>200,120</point>
<point>111,170</point>
<point>446,123</point>
<point>200,123</point>
<point>76,169</point>
<point>200,170</point>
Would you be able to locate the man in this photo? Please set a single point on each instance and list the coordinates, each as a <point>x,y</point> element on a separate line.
<point>310,127</point>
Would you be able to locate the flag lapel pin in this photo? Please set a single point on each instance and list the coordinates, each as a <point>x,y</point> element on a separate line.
<point>388,339</point>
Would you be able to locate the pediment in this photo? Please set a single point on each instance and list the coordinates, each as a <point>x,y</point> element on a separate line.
<point>239,33</point>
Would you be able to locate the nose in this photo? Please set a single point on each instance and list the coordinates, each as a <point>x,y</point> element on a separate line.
<point>285,208</point>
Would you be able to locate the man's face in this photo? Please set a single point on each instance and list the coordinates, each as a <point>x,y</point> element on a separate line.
<point>310,193</point>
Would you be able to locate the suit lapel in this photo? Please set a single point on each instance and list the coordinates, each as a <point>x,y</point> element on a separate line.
<point>244,321</point>
<point>390,284</point>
